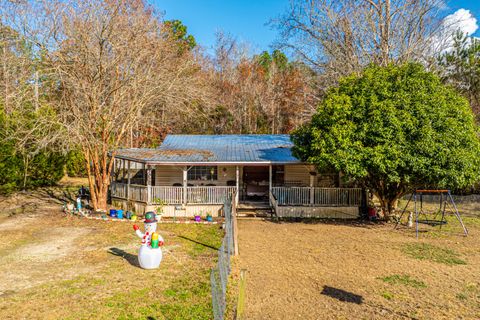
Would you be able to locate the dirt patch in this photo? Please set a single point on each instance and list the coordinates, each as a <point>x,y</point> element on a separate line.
<point>335,271</point>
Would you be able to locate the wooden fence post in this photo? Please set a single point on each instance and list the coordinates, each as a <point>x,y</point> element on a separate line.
<point>240,313</point>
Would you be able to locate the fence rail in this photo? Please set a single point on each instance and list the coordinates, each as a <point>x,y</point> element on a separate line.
<point>313,196</point>
<point>220,273</point>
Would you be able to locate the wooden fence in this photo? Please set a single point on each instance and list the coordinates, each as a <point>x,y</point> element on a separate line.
<point>307,196</point>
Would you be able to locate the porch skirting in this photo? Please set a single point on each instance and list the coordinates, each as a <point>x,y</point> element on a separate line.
<point>318,212</point>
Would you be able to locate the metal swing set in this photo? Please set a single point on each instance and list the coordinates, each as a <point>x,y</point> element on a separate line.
<point>446,199</point>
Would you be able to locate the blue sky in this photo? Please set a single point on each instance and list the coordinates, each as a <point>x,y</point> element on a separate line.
<point>246,19</point>
<point>243,19</point>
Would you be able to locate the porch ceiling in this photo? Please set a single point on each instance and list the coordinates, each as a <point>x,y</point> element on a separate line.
<point>215,149</point>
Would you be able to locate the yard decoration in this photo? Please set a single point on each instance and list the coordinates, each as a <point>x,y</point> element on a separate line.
<point>150,253</point>
<point>446,199</point>
<point>393,129</point>
<point>120,214</point>
<point>79,204</point>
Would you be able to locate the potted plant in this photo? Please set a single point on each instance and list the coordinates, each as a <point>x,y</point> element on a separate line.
<point>209,217</point>
<point>198,217</point>
<point>159,203</point>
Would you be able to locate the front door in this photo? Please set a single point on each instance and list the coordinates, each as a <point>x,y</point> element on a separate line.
<point>256,181</point>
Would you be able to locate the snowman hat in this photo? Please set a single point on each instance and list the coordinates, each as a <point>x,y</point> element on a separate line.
<point>150,217</point>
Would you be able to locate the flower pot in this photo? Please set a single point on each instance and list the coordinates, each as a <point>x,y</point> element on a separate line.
<point>198,218</point>
<point>209,218</point>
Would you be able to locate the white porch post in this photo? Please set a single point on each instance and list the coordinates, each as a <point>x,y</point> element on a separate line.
<point>237,184</point>
<point>149,185</point>
<point>269,184</point>
<point>312,190</point>
<point>185,186</point>
<point>128,180</point>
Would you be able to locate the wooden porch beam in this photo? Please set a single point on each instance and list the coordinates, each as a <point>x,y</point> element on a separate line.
<point>312,190</point>
<point>185,186</point>
<point>149,185</point>
<point>237,184</point>
<point>269,184</point>
<point>128,180</point>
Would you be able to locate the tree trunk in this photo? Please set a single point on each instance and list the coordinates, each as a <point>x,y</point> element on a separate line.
<point>98,171</point>
<point>25,171</point>
<point>389,206</point>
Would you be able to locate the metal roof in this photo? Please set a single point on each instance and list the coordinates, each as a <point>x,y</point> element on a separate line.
<point>219,149</point>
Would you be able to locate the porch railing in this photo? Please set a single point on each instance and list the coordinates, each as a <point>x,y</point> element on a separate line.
<point>284,196</point>
<point>173,195</point>
<point>209,195</point>
<point>118,190</point>
<point>305,196</point>
<point>138,193</point>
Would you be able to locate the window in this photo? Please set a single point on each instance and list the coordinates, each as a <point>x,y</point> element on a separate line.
<point>202,173</point>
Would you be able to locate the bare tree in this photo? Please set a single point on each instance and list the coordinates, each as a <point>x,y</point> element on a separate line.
<point>114,65</point>
<point>342,36</point>
<point>262,93</point>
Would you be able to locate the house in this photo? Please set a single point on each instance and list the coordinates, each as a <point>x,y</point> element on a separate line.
<point>191,174</point>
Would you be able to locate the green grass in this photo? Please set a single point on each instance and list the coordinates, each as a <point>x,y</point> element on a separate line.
<point>387,295</point>
<point>469,292</point>
<point>114,289</point>
<point>404,280</point>
<point>425,251</point>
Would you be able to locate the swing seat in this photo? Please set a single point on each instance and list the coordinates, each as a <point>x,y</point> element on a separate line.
<point>432,223</point>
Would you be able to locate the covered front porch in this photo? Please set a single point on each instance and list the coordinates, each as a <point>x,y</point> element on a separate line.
<point>195,174</point>
<point>289,190</point>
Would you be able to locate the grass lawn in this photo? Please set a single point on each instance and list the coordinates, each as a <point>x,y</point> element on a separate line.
<point>57,267</point>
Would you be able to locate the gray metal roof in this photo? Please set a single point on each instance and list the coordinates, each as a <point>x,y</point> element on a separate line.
<point>200,149</point>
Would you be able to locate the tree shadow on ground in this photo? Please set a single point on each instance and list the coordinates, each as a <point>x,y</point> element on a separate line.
<point>342,295</point>
<point>200,243</point>
<point>131,258</point>
<point>58,196</point>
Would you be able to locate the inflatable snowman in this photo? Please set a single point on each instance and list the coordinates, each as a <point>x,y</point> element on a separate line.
<point>150,253</point>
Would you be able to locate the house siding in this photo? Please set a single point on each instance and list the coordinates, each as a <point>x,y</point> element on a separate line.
<point>168,175</point>
<point>294,174</point>
<point>298,174</point>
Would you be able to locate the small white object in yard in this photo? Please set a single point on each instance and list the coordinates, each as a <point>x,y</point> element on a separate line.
<point>410,220</point>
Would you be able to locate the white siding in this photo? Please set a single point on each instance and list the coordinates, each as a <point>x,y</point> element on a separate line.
<point>168,175</point>
<point>298,174</point>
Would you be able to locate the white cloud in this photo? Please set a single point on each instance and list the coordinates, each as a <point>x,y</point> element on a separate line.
<point>461,20</point>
